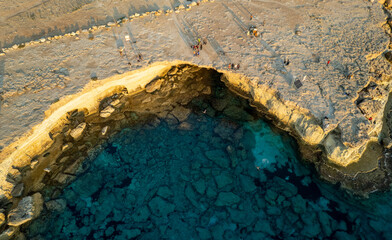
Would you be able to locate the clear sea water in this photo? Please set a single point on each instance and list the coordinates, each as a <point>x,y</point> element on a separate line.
<point>215,178</point>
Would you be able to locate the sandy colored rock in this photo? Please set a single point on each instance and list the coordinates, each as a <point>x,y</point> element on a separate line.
<point>181,113</point>
<point>77,133</point>
<point>330,80</point>
<point>105,113</point>
<point>2,219</point>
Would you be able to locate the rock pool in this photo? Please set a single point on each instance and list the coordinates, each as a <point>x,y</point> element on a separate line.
<point>216,178</point>
<point>209,169</point>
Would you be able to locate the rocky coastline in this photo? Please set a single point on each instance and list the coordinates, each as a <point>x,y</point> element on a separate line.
<point>75,126</point>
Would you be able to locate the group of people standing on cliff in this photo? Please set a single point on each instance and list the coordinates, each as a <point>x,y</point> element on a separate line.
<point>198,47</point>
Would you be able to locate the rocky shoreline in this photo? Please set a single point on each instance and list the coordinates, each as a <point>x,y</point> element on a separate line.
<point>56,148</point>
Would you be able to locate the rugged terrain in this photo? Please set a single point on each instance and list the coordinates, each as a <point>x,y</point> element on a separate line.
<point>333,95</point>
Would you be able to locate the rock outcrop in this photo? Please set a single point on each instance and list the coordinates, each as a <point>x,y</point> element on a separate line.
<point>28,208</point>
<point>67,136</point>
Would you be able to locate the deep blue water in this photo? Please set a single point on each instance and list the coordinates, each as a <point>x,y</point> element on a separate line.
<point>214,179</point>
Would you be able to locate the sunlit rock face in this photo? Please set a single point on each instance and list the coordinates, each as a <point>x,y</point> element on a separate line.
<point>207,168</point>
<point>175,98</point>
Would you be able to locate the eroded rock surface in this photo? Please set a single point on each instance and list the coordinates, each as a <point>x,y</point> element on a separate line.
<point>27,209</point>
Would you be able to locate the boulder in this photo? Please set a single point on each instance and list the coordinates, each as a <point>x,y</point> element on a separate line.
<point>130,234</point>
<point>271,196</point>
<point>264,226</point>
<point>105,113</point>
<point>165,192</point>
<point>299,204</point>
<point>181,113</point>
<point>141,214</point>
<point>225,129</point>
<point>161,207</point>
<point>18,190</point>
<point>243,217</point>
<point>2,219</point>
<point>227,199</point>
<point>341,235</point>
<point>191,196</point>
<point>311,225</point>
<point>77,132</point>
<point>66,146</point>
<point>219,157</point>
<point>155,85</point>
<point>104,130</point>
<point>388,4</point>
<point>247,183</point>
<point>203,233</point>
<point>57,205</point>
<point>27,209</point>
<point>8,233</point>
<point>200,186</point>
<point>224,179</point>
<point>237,113</point>
<point>325,222</point>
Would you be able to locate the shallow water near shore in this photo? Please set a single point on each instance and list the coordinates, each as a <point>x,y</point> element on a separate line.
<point>211,178</point>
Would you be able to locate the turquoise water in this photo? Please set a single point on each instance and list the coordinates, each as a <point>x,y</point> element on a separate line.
<point>214,178</point>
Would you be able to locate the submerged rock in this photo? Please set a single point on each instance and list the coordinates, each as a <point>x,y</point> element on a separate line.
<point>219,157</point>
<point>200,186</point>
<point>165,192</point>
<point>27,209</point>
<point>161,207</point>
<point>224,179</point>
<point>204,233</point>
<point>141,214</point>
<point>299,204</point>
<point>56,205</point>
<point>181,113</point>
<point>263,225</point>
<point>129,234</point>
<point>227,199</point>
